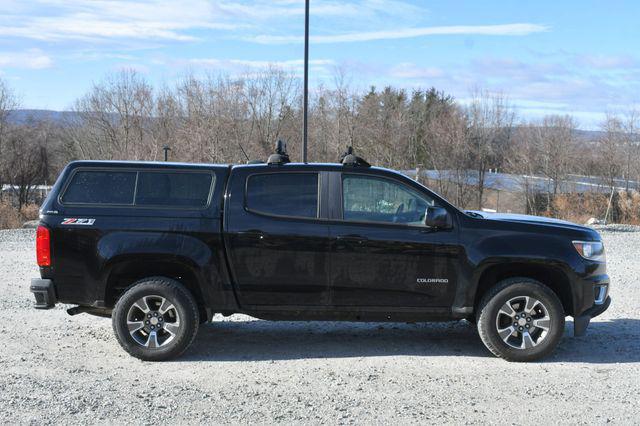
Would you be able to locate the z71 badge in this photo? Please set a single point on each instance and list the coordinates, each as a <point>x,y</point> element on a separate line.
<point>77,221</point>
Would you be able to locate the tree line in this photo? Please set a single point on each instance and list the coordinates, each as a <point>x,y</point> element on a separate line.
<point>223,119</point>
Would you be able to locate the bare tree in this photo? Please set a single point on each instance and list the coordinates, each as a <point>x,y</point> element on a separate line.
<point>112,121</point>
<point>556,149</point>
<point>610,149</point>
<point>25,160</point>
<point>271,96</point>
<point>8,103</point>
<point>631,148</point>
<point>490,124</point>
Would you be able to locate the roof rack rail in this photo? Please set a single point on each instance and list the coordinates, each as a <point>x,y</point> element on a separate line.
<point>280,156</point>
<point>350,159</point>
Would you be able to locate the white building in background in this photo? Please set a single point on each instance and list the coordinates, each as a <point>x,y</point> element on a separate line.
<point>37,193</point>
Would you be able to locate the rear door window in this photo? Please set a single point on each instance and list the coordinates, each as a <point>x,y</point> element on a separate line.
<point>174,189</point>
<point>284,194</point>
<point>100,187</point>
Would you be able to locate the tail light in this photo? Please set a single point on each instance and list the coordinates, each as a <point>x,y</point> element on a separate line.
<point>43,246</point>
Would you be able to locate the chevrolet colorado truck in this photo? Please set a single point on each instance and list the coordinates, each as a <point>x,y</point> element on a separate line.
<point>162,247</point>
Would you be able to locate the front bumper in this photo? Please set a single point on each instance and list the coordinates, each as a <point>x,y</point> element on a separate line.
<point>45,293</point>
<point>580,323</point>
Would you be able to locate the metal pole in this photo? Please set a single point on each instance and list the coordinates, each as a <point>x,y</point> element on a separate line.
<point>166,150</point>
<point>306,83</point>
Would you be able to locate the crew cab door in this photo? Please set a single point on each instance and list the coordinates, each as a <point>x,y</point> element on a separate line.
<point>383,254</point>
<point>278,246</point>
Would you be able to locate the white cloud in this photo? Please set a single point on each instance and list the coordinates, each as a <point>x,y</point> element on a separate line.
<point>412,71</point>
<point>487,30</point>
<point>258,64</point>
<point>608,61</point>
<point>242,66</point>
<point>31,59</point>
<point>262,10</point>
<point>54,20</point>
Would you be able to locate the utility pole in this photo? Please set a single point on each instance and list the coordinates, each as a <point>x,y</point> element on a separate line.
<point>305,108</point>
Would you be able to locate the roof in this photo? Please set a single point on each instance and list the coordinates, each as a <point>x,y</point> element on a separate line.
<point>127,163</point>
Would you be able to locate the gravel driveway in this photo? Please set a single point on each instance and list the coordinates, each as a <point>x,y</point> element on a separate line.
<point>60,369</point>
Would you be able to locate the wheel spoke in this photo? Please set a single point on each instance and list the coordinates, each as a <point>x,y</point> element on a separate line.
<point>142,305</point>
<point>507,310</point>
<point>543,323</point>
<point>152,340</point>
<point>505,333</point>
<point>172,327</point>
<point>527,341</point>
<point>165,306</point>
<point>530,303</point>
<point>134,326</point>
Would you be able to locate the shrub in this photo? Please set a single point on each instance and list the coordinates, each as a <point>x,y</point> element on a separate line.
<point>579,208</point>
<point>10,217</point>
<point>629,206</point>
<point>30,212</point>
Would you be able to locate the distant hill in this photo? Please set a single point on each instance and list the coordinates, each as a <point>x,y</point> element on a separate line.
<point>589,135</point>
<point>24,116</point>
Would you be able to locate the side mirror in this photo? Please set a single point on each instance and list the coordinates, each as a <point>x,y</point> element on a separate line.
<point>438,217</point>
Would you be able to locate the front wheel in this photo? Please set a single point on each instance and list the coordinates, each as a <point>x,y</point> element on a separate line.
<point>155,319</point>
<point>520,320</point>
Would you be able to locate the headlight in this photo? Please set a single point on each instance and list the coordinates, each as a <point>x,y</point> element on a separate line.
<point>592,250</point>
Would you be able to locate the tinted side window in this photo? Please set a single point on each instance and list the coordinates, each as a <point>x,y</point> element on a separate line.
<point>173,189</point>
<point>284,194</point>
<point>100,187</point>
<point>373,199</point>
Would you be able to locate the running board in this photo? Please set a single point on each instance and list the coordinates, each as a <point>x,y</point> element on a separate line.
<point>101,312</point>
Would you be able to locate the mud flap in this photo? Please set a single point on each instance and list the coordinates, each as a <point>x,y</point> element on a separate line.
<point>581,323</point>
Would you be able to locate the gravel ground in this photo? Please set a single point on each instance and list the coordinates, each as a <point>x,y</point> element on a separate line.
<point>60,369</point>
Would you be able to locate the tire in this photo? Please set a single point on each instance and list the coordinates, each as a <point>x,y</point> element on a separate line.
<point>162,316</point>
<point>521,338</point>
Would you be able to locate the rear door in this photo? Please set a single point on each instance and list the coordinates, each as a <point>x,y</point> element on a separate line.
<point>383,255</point>
<point>277,237</point>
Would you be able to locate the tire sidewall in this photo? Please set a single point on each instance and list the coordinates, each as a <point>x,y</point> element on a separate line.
<point>178,296</point>
<point>488,314</point>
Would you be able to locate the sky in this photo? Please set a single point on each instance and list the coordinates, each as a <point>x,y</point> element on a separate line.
<point>548,57</point>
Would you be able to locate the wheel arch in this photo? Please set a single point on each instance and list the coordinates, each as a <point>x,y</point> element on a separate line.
<point>126,272</point>
<point>551,276</point>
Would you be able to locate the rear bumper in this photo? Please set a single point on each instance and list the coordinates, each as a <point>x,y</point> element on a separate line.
<point>44,292</point>
<point>580,323</point>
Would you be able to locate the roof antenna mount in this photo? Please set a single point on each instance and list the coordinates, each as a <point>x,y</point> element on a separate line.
<point>280,156</point>
<point>350,159</point>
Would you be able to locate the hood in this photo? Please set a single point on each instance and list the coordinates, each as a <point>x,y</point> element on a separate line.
<point>523,218</point>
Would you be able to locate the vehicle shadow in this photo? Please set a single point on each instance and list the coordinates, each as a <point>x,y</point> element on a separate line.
<point>615,341</point>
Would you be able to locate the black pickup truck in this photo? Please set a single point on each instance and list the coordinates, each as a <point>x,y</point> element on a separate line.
<point>162,247</point>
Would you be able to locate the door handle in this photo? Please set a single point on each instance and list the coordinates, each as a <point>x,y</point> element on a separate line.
<point>260,237</point>
<point>353,239</point>
<point>253,233</point>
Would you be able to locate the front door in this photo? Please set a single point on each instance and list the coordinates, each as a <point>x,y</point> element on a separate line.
<point>384,255</point>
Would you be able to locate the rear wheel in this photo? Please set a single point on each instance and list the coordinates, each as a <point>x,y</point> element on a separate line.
<point>155,319</point>
<point>520,319</point>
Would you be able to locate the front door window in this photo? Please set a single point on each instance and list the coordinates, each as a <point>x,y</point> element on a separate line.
<point>373,199</point>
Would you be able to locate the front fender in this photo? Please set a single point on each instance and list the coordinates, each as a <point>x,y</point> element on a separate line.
<point>504,254</point>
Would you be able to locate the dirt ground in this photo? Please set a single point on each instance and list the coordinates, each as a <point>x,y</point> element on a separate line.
<point>60,369</point>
